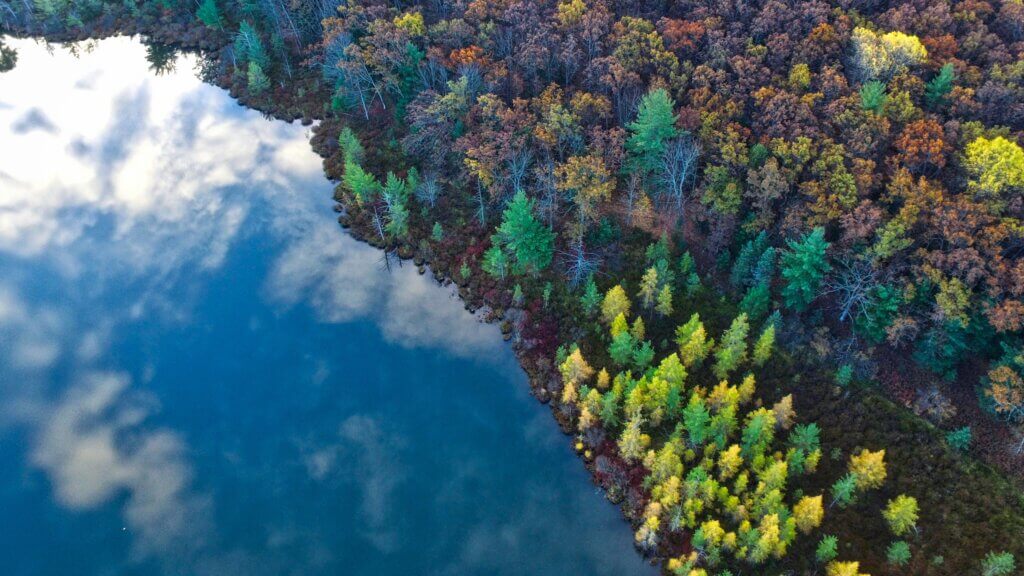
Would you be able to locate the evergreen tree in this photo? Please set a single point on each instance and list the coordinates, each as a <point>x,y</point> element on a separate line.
<point>898,553</point>
<point>696,418</point>
<point>937,88</point>
<point>621,348</point>
<point>248,46</point>
<point>209,15</point>
<point>8,58</point>
<point>1002,564</point>
<point>610,409</point>
<point>654,126</point>
<point>803,268</point>
<point>959,439</point>
<point>756,301</point>
<point>530,243</point>
<point>873,96</point>
<point>688,274</point>
<point>765,268</point>
<point>351,147</point>
<point>828,549</point>
<point>747,260</point>
<point>758,433</point>
<point>844,375</point>
<point>844,491</point>
<point>395,193</point>
<point>257,79</point>
<point>495,262</point>
<point>362,184</point>
<point>591,298</point>
<point>643,355</point>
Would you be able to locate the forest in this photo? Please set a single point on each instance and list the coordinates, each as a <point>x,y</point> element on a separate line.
<point>764,258</point>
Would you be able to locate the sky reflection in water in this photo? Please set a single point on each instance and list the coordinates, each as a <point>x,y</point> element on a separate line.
<point>201,374</point>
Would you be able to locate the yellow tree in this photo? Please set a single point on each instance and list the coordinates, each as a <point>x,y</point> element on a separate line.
<point>844,569</point>
<point>901,514</point>
<point>575,371</point>
<point>808,513</point>
<point>649,287</point>
<point>995,165</point>
<point>1006,391</point>
<point>589,182</point>
<point>615,302</point>
<point>881,56</point>
<point>868,469</point>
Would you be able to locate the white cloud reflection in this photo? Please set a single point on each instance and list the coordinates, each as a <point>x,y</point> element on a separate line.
<point>94,447</point>
<point>174,169</point>
<point>110,176</point>
<point>345,280</point>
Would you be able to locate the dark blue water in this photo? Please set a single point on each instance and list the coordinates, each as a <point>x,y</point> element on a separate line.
<point>200,373</point>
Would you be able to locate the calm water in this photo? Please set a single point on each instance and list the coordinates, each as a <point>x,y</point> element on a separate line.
<point>200,373</point>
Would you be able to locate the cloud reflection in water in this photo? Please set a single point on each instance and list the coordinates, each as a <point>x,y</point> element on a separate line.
<point>130,192</point>
<point>121,178</point>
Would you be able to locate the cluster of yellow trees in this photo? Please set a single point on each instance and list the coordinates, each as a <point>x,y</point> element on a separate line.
<point>719,465</point>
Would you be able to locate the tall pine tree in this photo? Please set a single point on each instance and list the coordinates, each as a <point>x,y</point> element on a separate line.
<point>803,268</point>
<point>655,125</point>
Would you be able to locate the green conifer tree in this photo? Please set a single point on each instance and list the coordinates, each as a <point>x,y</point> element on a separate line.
<point>803,268</point>
<point>530,243</point>
<point>654,126</point>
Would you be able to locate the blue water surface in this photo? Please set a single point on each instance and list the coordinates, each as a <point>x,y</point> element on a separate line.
<point>201,373</point>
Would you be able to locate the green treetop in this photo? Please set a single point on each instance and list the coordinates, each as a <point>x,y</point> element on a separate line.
<point>803,268</point>
<point>530,243</point>
<point>937,88</point>
<point>1002,564</point>
<point>209,15</point>
<point>655,124</point>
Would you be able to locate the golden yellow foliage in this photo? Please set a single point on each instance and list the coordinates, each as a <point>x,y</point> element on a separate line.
<point>868,468</point>
<point>615,302</point>
<point>844,569</point>
<point>881,56</point>
<point>411,22</point>
<point>808,513</point>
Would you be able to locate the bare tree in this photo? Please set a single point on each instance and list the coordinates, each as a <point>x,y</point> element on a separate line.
<point>851,285</point>
<point>428,189</point>
<point>517,165</point>
<point>679,169</point>
<point>550,205</point>
<point>634,187</point>
<point>579,264</point>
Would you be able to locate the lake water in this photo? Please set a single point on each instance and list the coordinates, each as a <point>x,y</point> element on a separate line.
<point>201,374</point>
